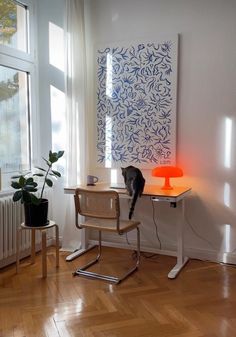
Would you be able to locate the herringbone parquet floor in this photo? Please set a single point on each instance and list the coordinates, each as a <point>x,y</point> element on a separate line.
<point>201,302</point>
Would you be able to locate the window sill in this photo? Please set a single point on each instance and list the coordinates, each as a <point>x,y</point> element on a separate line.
<point>5,193</point>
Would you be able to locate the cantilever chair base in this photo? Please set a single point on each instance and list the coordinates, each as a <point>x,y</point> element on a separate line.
<point>113,279</point>
<point>103,207</point>
<point>82,271</point>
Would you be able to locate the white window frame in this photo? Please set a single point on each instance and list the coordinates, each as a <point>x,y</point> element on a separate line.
<point>26,56</point>
<point>27,62</point>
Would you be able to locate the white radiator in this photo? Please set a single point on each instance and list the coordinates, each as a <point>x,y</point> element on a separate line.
<point>11,216</point>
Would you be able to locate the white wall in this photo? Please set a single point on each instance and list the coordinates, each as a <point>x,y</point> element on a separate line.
<point>206,98</point>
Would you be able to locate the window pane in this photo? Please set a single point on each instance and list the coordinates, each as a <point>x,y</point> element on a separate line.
<point>56,46</point>
<point>14,120</point>
<point>13,25</point>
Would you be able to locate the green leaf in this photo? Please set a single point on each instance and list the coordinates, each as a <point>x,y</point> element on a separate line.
<point>17,196</point>
<point>26,197</point>
<point>15,185</point>
<point>30,188</point>
<point>30,181</point>
<point>40,168</point>
<point>56,173</point>
<point>60,154</point>
<point>53,157</point>
<point>38,174</point>
<point>35,200</point>
<point>30,184</point>
<point>49,182</point>
<point>22,181</point>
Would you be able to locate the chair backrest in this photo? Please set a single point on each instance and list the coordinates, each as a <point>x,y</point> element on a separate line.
<point>97,204</point>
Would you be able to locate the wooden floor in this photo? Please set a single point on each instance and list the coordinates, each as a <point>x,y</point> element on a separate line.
<point>200,302</point>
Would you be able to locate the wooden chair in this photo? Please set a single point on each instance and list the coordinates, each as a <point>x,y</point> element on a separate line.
<point>101,210</point>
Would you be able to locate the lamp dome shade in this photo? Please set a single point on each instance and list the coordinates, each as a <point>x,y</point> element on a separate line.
<point>167,172</point>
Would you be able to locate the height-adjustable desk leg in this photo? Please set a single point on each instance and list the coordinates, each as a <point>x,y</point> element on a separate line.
<point>181,259</point>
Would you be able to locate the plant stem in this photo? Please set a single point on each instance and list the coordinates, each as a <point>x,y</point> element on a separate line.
<point>49,167</point>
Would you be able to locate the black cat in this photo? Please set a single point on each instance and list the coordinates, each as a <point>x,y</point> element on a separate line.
<point>134,183</point>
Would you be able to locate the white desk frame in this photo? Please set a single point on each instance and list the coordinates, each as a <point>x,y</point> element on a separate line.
<point>175,197</point>
<point>181,259</point>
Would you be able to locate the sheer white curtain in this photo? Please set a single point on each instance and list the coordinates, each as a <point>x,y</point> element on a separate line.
<point>76,123</point>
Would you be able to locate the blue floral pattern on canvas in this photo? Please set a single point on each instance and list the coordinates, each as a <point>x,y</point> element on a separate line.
<point>136,104</point>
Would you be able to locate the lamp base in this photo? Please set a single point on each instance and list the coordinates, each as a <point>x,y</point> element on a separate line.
<point>166,187</point>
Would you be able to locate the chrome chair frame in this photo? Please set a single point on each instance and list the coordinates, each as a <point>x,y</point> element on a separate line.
<point>84,198</point>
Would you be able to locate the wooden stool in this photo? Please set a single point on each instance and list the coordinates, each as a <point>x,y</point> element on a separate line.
<point>43,230</point>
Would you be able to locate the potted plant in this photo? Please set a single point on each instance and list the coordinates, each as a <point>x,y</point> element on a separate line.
<point>36,208</point>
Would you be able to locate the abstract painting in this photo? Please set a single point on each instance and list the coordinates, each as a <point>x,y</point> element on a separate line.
<point>136,103</point>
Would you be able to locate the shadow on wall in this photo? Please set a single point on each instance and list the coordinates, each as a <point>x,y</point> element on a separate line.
<point>211,222</point>
<point>208,227</point>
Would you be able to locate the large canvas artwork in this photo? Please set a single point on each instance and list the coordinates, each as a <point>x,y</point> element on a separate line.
<point>136,103</point>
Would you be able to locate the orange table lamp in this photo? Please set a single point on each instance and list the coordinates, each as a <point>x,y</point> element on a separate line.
<point>167,172</point>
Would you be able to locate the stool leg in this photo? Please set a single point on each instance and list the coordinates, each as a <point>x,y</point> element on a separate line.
<point>18,236</point>
<point>33,246</point>
<point>57,245</point>
<point>44,253</point>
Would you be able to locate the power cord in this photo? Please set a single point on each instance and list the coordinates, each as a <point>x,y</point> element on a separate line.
<point>149,255</point>
<point>155,223</point>
<point>127,240</point>
<point>146,255</point>
<point>134,253</point>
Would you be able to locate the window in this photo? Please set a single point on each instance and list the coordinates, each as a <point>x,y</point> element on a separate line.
<point>17,81</point>
<point>14,116</point>
<point>13,25</point>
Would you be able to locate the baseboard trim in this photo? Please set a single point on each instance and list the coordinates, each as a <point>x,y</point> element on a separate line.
<point>192,253</point>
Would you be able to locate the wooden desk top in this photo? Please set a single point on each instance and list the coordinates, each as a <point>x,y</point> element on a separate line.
<point>149,190</point>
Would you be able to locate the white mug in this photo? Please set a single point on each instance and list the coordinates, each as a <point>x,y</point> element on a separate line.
<point>91,180</point>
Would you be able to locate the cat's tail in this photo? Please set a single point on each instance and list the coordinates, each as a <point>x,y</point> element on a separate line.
<point>134,199</point>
